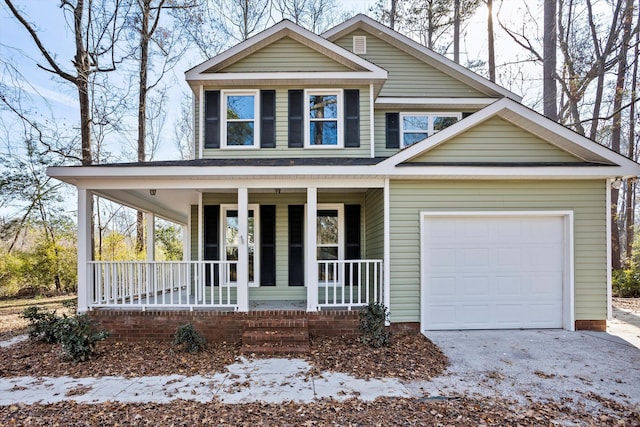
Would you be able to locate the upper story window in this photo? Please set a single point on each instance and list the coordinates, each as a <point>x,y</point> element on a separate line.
<point>240,127</point>
<point>239,119</point>
<point>415,127</point>
<point>323,119</point>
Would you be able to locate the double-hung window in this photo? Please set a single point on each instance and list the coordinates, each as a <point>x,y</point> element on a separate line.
<point>240,127</point>
<point>323,119</point>
<point>415,127</point>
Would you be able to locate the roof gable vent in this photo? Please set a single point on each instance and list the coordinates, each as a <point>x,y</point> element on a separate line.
<point>360,45</point>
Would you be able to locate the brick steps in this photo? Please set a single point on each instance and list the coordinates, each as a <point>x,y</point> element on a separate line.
<point>276,336</point>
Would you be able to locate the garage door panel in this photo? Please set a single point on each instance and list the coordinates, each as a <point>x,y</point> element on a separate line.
<point>493,272</point>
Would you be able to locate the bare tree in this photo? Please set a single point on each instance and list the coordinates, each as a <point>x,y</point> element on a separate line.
<point>96,26</point>
<point>491,48</point>
<point>549,92</point>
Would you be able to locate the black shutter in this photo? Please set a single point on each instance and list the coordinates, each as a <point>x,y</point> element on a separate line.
<point>393,130</point>
<point>296,119</point>
<point>268,118</point>
<point>352,118</point>
<point>211,223</point>
<point>212,119</point>
<point>267,245</point>
<point>296,245</point>
<point>352,233</point>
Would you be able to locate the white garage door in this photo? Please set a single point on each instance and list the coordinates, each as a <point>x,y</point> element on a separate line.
<point>492,272</point>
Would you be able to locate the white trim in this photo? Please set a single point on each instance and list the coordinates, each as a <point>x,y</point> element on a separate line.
<point>282,29</point>
<point>568,291</point>
<point>609,249</point>
<point>224,94</point>
<point>387,246</point>
<point>201,123</point>
<point>256,236</point>
<point>372,130</point>
<point>338,93</point>
<point>419,51</point>
<point>200,227</point>
<point>430,118</point>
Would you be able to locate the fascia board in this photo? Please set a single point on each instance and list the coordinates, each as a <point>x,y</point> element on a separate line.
<point>419,51</point>
<point>306,75</point>
<point>287,28</point>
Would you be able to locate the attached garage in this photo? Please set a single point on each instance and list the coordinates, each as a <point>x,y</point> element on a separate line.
<point>496,270</point>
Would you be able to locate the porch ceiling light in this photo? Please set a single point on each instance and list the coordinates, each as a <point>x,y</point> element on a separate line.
<point>152,192</point>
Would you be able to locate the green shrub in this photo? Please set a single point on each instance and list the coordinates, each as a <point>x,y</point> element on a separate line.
<point>78,335</point>
<point>43,325</point>
<point>626,283</point>
<point>188,339</point>
<point>372,325</point>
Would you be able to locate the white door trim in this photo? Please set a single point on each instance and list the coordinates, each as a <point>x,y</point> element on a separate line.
<point>568,305</point>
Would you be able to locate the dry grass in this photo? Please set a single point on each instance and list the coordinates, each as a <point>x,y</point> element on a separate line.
<point>11,309</point>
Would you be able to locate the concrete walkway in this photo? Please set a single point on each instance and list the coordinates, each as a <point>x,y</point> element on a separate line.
<point>626,325</point>
<point>266,380</point>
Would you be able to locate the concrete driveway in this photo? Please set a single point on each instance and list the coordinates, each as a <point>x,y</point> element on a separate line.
<point>573,368</point>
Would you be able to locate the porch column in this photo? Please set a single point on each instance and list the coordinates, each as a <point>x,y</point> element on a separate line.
<point>386,263</point>
<point>85,273</point>
<point>312,262</point>
<point>243,250</point>
<point>150,220</point>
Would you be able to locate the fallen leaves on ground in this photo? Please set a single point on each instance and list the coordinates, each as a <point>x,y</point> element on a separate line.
<point>351,412</point>
<point>115,359</point>
<point>409,357</point>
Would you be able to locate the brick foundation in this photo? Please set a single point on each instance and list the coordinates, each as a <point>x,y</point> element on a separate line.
<point>215,326</point>
<point>591,325</point>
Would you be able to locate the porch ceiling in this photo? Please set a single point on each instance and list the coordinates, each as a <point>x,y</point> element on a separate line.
<point>172,205</point>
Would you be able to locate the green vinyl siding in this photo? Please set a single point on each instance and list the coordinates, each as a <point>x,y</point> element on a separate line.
<point>408,75</point>
<point>194,233</point>
<point>374,208</point>
<point>585,198</point>
<point>285,55</point>
<point>282,290</point>
<point>282,133</point>
<point>496,140</point>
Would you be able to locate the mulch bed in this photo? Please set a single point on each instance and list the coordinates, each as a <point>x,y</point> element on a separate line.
<point>409,357</point>
<point>352,412</point>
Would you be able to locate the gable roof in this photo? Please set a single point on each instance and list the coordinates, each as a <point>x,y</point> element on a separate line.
<point>419,51</point>
<point>590,152</point>
<point>208,71</point>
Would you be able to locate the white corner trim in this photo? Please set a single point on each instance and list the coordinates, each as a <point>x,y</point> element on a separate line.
<point>372,139</point>
<point>201,123</point>
<point>609,248</point>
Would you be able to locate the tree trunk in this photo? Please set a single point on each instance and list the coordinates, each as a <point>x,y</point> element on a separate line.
<point>392,14</point>
<point>491,42</point>
<point>616,131</point>
<point>456,31</point>
<point>550,97</point>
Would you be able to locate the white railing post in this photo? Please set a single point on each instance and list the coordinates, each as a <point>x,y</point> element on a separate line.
<point>312,262</point>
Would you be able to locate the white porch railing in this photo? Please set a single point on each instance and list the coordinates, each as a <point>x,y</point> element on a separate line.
<point>349,283</point>
<point>161,284</point>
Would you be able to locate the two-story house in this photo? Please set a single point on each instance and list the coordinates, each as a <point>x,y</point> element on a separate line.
<point>354,166</point>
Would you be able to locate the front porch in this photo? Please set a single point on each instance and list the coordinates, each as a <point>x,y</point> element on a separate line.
<point>345,284</point>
